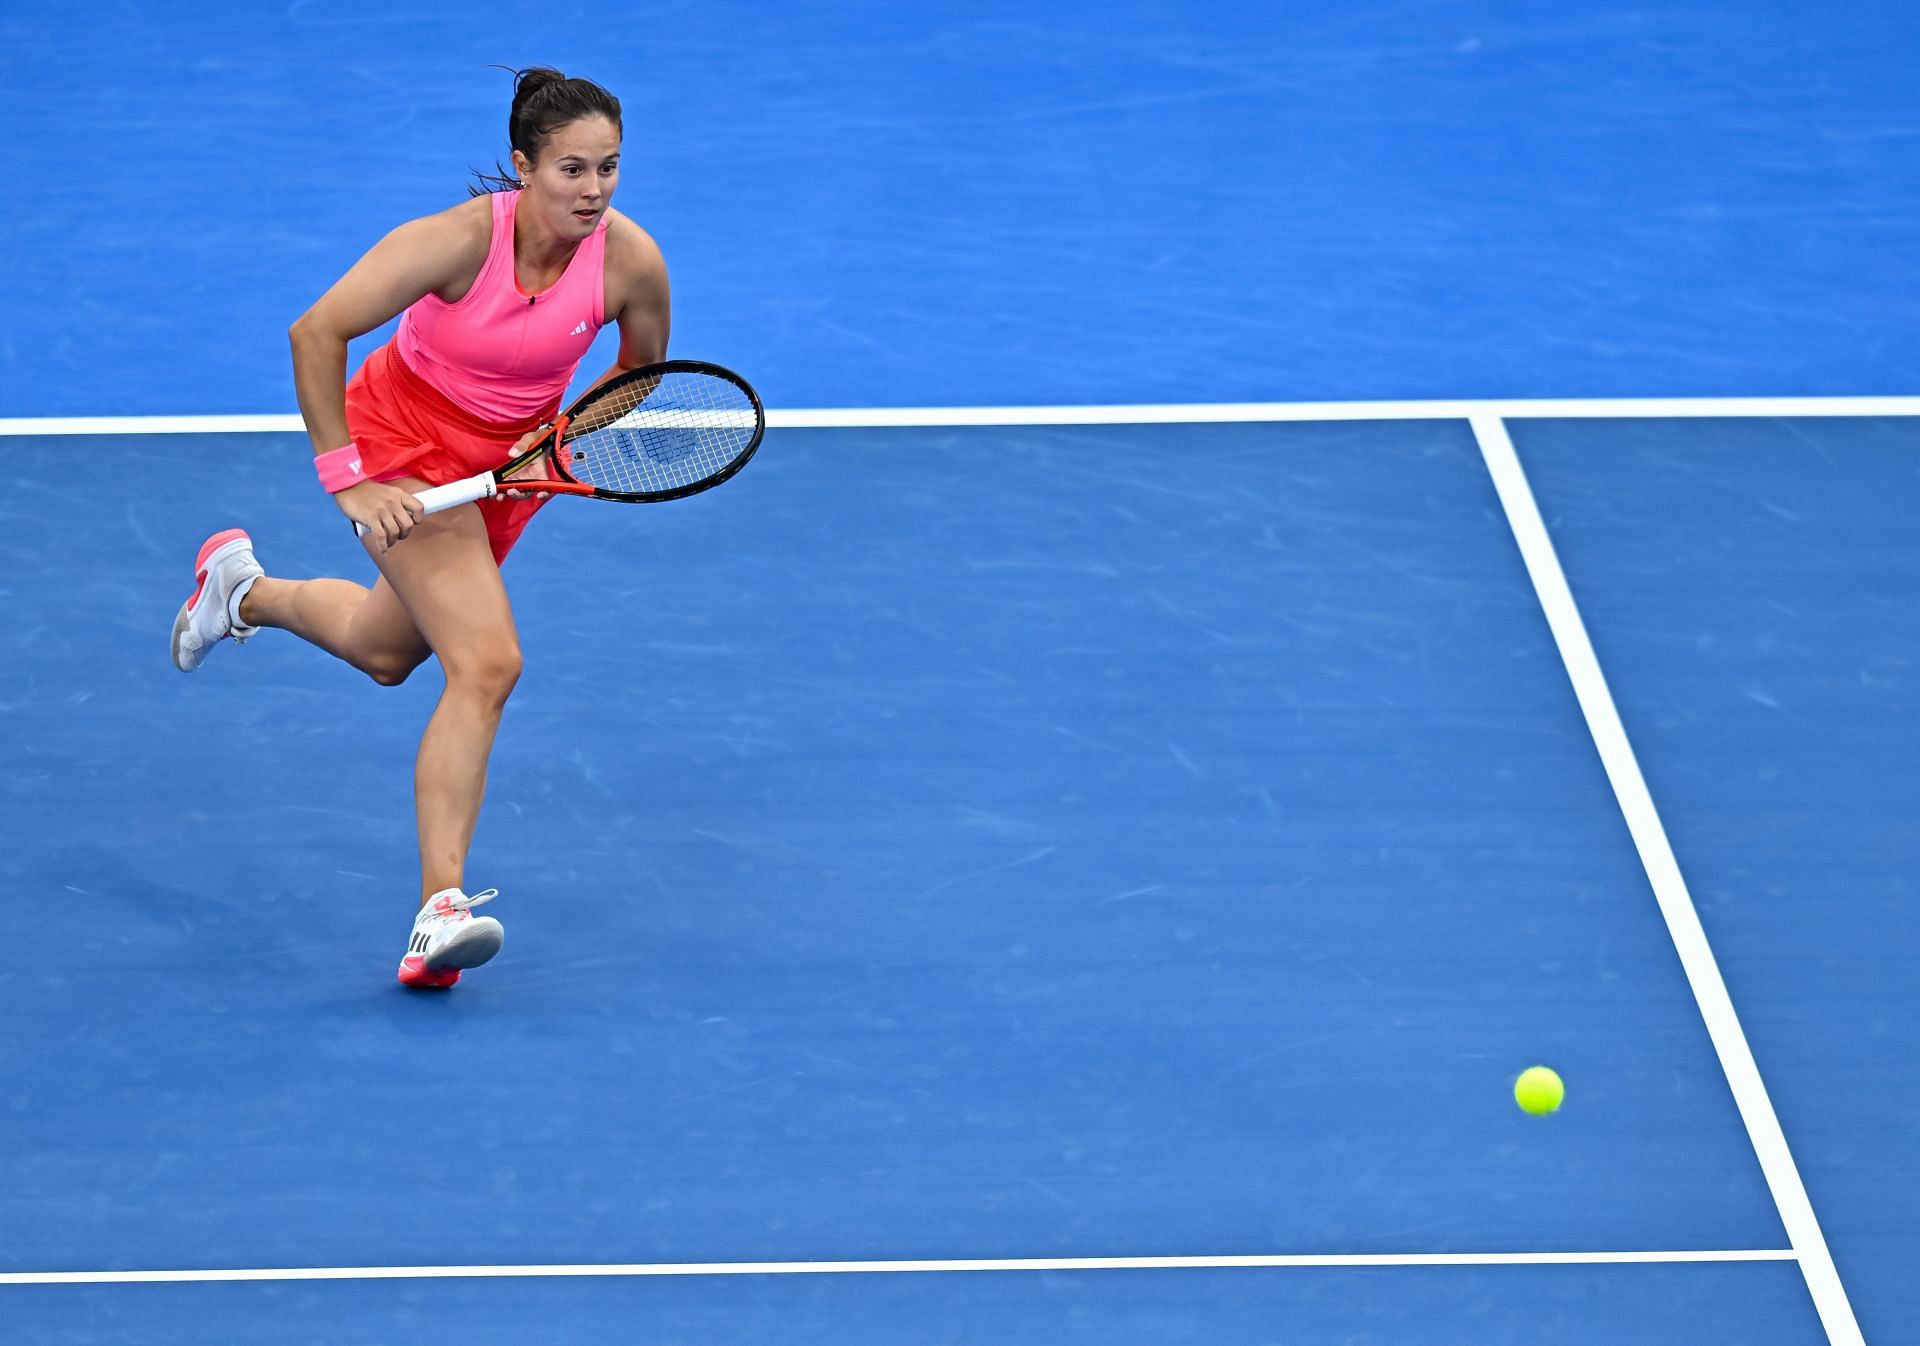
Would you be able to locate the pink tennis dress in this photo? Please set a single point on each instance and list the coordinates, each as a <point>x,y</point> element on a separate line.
<point>460,383</point>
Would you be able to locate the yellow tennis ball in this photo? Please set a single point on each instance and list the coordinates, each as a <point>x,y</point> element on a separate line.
<point>1538,1091</point>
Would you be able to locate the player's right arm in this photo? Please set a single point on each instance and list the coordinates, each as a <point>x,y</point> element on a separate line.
<point>439,254</point>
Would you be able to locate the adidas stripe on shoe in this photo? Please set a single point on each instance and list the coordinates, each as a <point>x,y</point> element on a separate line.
<point>448,938</point>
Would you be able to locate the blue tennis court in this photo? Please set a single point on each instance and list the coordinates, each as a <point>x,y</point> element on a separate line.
<point>1077,840</point>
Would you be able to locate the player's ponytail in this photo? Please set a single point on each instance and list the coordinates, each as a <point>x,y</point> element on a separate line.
<point>544,100</point>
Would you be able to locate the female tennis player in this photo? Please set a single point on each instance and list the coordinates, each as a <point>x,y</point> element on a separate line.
<point>499,298</point>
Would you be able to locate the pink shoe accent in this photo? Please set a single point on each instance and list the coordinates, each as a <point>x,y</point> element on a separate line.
<point>414,972</point>
<point>208,548</point>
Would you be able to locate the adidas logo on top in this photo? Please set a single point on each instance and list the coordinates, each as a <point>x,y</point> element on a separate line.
<point>578,330</point>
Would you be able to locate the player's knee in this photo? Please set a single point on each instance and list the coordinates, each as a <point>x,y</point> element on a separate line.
<point>489,674</point>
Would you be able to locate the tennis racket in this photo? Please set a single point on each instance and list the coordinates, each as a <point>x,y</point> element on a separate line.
<point>659,432</point>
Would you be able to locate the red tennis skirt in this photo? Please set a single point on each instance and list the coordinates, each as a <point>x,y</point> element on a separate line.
<point>406,427</point>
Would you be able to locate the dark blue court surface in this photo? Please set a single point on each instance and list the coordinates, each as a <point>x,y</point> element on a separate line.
<point>1038,844</point>
<point>1107,841</point>
<point>1751,589</point>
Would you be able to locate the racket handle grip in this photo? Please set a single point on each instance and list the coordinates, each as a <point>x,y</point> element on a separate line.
<point>436,498</point>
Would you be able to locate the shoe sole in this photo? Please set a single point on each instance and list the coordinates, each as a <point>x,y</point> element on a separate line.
<point>480,941</point>
<point>429,981</point>
<point>180,625</point>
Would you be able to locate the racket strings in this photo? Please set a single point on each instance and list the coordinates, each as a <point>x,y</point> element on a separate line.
<point>661,434</point>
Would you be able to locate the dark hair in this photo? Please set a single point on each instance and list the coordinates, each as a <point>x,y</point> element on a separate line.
<point>544,100</point>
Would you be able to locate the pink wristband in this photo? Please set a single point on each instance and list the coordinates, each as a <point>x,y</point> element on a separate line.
<point>339,468</point>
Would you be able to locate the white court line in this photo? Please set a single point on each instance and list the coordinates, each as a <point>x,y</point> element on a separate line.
<point>1169,414</point>
<point>1669,888</point>
<point>1295,1260</point>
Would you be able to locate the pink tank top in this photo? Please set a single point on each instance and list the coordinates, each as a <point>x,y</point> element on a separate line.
<point>500,353</point>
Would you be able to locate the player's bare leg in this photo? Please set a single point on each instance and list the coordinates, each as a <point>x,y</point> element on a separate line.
<point>368,628</point>
<point>444,577</point>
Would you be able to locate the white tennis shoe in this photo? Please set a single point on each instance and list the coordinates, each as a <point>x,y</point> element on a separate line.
<point>222,574</point>
<point>448,937</point>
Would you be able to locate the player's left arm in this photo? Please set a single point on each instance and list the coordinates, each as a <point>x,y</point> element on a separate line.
<point>638,298</point>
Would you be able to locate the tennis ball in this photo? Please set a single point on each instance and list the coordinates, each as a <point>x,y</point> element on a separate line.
<point>1538,1091</point>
